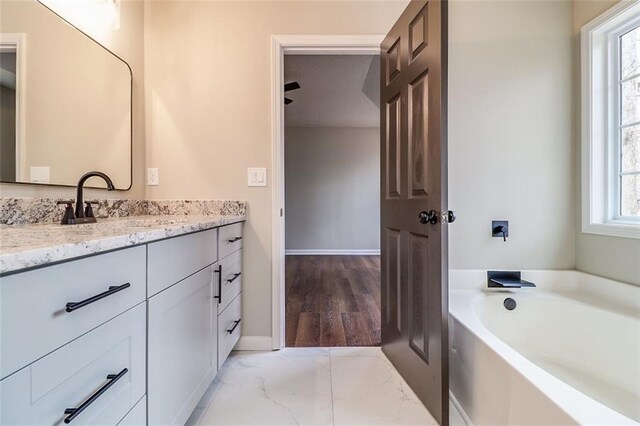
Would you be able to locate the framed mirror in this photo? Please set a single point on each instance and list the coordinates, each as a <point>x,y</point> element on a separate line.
<point>66,101</point>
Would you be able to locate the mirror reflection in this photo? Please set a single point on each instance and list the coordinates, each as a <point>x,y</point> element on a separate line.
<point>65,109</point>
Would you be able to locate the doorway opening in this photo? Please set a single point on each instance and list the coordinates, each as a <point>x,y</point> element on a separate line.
<point>332,200</point>
<point>282,45</point>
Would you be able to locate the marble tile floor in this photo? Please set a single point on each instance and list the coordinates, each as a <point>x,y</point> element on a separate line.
<point>312,386</point>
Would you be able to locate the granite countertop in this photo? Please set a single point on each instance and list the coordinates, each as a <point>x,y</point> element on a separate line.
<point>28,246</point>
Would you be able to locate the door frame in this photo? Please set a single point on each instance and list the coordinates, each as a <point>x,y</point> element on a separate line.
<point>17,42</point>
<point>295,45</point>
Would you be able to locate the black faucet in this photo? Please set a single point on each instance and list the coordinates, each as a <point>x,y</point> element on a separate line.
<point>500,228</point>
<point>81,217</point>
<point>506,279</point>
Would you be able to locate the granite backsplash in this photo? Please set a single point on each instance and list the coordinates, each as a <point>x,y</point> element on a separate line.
<point>19,211</point>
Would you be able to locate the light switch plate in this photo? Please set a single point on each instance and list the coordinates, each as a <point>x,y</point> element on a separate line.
<point>153,177</point>
<point>257,176</point>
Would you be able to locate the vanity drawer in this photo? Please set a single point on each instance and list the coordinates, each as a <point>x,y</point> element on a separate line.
<point>174,259</point>
<point>33,305</point>
<point>231,279</point>
<point>68,377</point>
<point>229,328</point>
<point>137,416</point>
<point>230,239</point>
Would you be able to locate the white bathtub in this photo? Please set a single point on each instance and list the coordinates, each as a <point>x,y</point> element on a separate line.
<point>569,353</point>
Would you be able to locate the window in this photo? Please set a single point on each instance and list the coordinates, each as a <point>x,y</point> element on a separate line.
<point>628,165</point>
<point>611,122</point>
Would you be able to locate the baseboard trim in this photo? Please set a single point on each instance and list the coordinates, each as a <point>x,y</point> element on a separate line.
<point>456,403</point>
<point>254,343</point>
<point>331,252</point>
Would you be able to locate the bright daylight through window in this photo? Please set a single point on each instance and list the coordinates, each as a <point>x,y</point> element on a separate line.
<point>628,167</point>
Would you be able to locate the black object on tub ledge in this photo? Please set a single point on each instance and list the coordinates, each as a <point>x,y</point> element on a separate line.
<point>506,279</point>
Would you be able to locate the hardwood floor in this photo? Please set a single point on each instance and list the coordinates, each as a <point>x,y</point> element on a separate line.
<point>332,301</point>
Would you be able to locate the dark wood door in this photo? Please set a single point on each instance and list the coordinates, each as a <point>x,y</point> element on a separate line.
<point>414,180</point>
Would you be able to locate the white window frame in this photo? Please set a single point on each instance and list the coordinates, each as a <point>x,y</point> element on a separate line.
<point>600,122</point>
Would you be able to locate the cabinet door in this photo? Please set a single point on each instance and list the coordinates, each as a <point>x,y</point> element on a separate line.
<point>180,362</point>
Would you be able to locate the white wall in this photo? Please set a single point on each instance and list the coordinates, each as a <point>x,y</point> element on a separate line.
<point>611,257</point>
<point>510,134</point>
<point>208,106</point>
<point>332,186</point>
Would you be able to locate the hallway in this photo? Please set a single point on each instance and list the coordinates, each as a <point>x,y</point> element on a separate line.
<point>332,301</point>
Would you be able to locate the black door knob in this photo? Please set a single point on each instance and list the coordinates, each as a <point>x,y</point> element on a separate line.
<point>451,216</point>
<point>428,217</point>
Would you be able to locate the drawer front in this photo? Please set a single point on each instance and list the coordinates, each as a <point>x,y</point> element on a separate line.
<point>67,378</point>
<point>181,364</point>
<point>175,259</point>
<point>33,316</point>
<point>230,279</point>
<point>137,416</point>
<point>229,328</point>
<point>230,239</point>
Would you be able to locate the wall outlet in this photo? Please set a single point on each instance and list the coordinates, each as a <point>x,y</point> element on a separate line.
<point>153,179</point>
<point>257,176</point>
<point>39,174</point>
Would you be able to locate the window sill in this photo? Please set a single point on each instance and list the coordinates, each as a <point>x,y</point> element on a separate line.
<point>620,229</point>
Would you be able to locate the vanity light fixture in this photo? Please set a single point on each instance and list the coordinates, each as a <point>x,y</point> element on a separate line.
<point>93,17</point>
<point>112,9</point>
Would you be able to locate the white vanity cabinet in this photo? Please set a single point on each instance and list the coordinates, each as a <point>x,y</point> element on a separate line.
<point>132,336</point>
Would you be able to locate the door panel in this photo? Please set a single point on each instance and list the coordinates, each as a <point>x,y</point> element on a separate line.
<point>393,61</point>
<point>414,180</point>
<point>393,138</point>
<point>392,289</point>
<point>419,295</point>
<point>418,34</point>
<point>419,135</point>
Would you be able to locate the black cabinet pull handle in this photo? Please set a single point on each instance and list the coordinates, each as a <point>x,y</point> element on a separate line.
<point>235,325</point>
<point>230,280</point>
<point>72,306</point>
<point>233,240</point>
<point>219,296</point>
<point>75,412</point>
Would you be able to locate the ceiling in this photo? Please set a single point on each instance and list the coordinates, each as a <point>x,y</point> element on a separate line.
<point>336,90</point>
